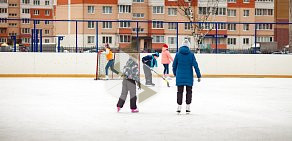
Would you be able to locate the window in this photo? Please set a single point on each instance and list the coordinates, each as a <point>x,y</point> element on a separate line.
<point>47,12</point>
<point>25,1</point>
<point>172,26</point>
<point>25,40</point>
<point>107,25</point>
<point>47,31</point>
<point>36,2</point>
<point>264,0</point>
<point>158,39</point>
<point>171,40</point>
<point>3,10</point>
<point>221,11</point>
<point>221,26</point>
<point>47,40</point>
<point>138,15</point>
<point>157,24</point>
<point>25,21</point>
<point>25,30</point>
<point>231,27</point>
<point>107,39</point>
<point>231,41</point>
<point>47,22</point>
<point>12,24</point>
<point>3,20</point>
<point>245,13</point>
<point>25,11</point>
<point>47,2</point>
<point>12,14</point>
<point>125,24</point>
<point>107,10</point>
<point>12,34</point>
<point>37,22</point>
<point>36,12</point>
<point>245,41</point>
<point>231,1</point>
<point>246,1</point>
<point>124,8</point>
<point>90,25</point>
<point>188,38</point>
<point>264,26</point>
<point>245,27</point>
<point>125,38</point>
<point>12,5</point>
<point>140,1</point>
<point>158,10</point>
<point>264,12</point>
<point>140,29</point>
<point>3,40</point>
<point>188,26</point>
<point>90,39</point>
<point>231,12</point>
<point>90,10</point>
<point>172,11</point>
<point>264,39</point>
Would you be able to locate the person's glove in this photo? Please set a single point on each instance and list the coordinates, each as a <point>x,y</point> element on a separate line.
<point>199,79</point>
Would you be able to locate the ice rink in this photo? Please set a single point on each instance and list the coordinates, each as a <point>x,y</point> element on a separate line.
<point>67,109</point>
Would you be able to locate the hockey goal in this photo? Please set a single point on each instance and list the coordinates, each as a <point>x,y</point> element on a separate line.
<point>120,60</point>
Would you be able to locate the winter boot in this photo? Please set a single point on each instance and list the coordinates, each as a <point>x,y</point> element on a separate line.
<point>134,110</point>
<point>188,108</point>
<point>178,109</point>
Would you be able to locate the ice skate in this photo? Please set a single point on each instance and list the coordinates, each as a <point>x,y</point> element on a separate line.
<point>118,109</point>
<point>134,110</point>
<point>188,109</point>
<point>106,77</point>
<point>150,84</point>
<point>178,109</point>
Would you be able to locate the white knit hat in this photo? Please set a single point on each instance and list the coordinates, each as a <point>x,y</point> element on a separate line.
<point>186,42</point>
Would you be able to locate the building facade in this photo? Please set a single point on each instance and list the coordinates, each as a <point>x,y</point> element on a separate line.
<point>25,10</point>
<point>152,34</point>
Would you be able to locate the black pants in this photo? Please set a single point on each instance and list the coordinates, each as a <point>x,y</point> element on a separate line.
<point>128,85</point>
<point>148,74</point>
<point>166,69</point>
<point>180,90</point>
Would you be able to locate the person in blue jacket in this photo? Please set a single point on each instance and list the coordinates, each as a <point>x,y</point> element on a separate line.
<point>183,64</point>
<point>149,61</point>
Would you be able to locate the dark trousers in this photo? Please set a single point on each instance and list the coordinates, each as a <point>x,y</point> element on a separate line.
<point>166,69</point>
<point>148,74</point>
<point>110,64</point>
<point>128,85</point>
<point>180,90</point>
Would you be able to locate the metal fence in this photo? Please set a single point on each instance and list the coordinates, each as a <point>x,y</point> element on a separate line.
<point>262,37</point>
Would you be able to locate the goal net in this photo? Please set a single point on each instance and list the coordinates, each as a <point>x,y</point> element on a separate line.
<point>120,60</point>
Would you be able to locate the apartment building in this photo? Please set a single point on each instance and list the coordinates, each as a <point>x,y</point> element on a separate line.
<point>26,10</point>
<point>153,34</point>
<point>282,15</point>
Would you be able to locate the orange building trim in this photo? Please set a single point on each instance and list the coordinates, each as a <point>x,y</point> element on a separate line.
<point>180,3</point>
<point>241,4</point>
<point>93,1</point>
<point>42,14</point>
<point>125,31</point>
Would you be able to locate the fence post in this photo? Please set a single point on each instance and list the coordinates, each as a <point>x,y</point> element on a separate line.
<point>96,36</point>
<point>37,40</point>
<point>216,37</point>
<point>137,37</point>
<point>255,39</point>
<point>14,43</point>
<point>32,40</point>
<point>41,40</point>
<point>176,36</point>
<point>76,44</point>
<point>34,30</point>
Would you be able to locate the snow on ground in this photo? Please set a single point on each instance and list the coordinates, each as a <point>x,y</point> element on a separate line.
<point>65,109</point>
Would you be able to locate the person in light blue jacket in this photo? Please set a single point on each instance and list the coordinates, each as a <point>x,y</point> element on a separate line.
<point>183,64</point>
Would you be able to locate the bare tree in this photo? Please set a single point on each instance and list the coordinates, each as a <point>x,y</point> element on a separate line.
<point>206,15</point>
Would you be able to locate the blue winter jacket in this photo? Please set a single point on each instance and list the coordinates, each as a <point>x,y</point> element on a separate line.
<point>150,61</point>
<point>183,64</point>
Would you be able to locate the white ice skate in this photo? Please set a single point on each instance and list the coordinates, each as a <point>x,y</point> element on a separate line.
<point>188,109</point>
<point>178,109</point>
<point>106,77</point>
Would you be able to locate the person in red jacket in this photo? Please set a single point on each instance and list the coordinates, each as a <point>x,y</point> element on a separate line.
<point>165,60</point>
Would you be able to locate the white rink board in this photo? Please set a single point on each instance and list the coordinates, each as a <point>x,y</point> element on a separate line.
<point>85,63</point>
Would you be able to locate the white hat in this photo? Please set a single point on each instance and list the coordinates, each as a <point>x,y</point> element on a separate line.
<point>186,42</point>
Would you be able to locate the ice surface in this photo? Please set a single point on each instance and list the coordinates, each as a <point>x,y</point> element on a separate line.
<point>51,109</point>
